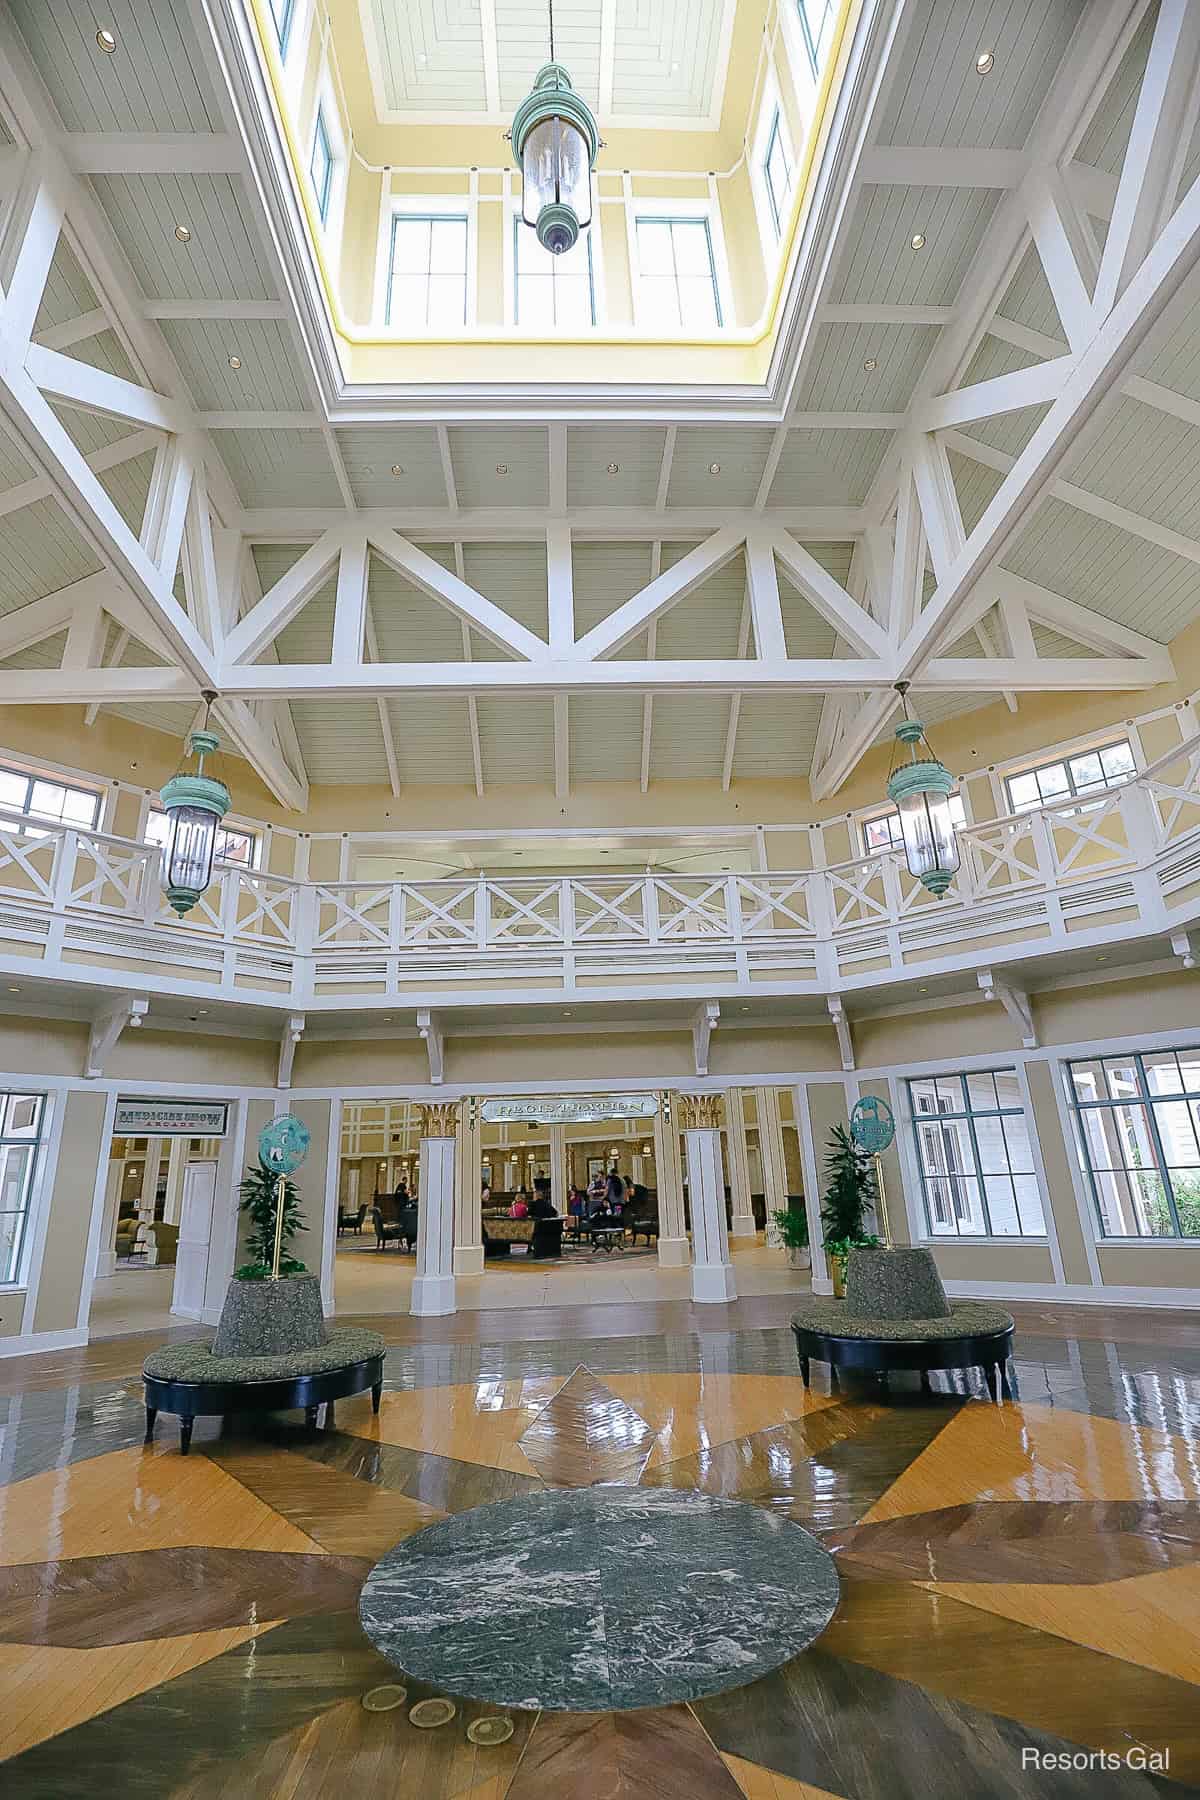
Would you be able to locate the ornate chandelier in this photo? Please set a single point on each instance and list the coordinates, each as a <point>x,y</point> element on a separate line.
<point>555,139</point>
<point>921,789</point>
<point>195,803</point>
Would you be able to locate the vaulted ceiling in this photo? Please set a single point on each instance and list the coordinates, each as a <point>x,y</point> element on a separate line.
<point>973,347</point>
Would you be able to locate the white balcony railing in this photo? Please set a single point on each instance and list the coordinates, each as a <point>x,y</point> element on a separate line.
<point>1126,863</point>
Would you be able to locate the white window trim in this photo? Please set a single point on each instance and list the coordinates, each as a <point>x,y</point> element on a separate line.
<point>910,1165</point>
<point>804,79</point>
<point>510,211</point>
<point>1001,773</point>
<point>326,108</point>
<point>400,206</point>
<point>641,205</point>
<point>770,107</point>
<point>294,62</point>
<point>68,777</point>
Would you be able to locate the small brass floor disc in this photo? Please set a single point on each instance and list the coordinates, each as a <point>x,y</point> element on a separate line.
<point>427,1714</point>
<point>383,1699</point>
<point>495,1729</point>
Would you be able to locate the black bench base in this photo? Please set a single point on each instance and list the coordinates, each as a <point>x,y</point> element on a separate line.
<point>190,1400</point>
<point>989,1351</point>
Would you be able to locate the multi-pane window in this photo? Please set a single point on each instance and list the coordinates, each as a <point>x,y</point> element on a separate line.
<point>1137,1123</point>
<point>777,173</point>
<point>320,165</point>
<point>283,13</point>
<point>21,1118</point>
<point>39,797</point>
<point>883,832</point>
<point>552,291</point>
<point>427,271</point>
<point>233,844</point>
<point>1087,772</point>
<point>816,23</point>
<point>677,276</point>
<point>975,1156</point>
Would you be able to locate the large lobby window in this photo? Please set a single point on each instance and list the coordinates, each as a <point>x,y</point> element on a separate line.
<point>427,271</point>
<point>40,797</point>
<point>552,291</point>
<point>974,1155</point>
<point>20,1135</point>
<point>1137,1123</point>
<point>677,274</point>
<point>1087,772</point>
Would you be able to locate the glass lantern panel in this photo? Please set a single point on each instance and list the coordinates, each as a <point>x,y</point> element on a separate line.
<point>555,167</point>
<point>193,841</point>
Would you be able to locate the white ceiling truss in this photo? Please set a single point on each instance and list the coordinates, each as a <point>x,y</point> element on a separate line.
<point>185,586</point>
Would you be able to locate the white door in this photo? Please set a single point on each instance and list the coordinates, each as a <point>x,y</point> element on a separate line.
<point>195,1232</point>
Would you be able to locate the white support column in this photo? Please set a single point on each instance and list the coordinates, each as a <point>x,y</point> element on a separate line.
<point>154,1149</point>
<point>673,1250</point>
<point>742,1220</point>
<point>558,1168</point>
<point>106,1246</point>
<point>712,1272</point>
<point>433,1284</point>
<point>774,1165</point>
<point>177,1160</point>
<point>468,1220</point>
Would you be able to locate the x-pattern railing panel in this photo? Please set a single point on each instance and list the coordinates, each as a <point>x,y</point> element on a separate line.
<point>1177,800</point>
<point>27,863</point>
<point>612,908</point>
<point>857,892</point>
<point>107,877</point>
<point>537,918</point>
<point>1092,831</point>
<point>775,906</point>
<point>353,913</point>
<point>442,912</point>
<point>691,906</point>
<point>1000,856</point>
<point>264,907</point>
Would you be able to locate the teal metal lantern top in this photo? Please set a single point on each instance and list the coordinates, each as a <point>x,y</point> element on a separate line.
<point>195,803</point>
<point>555,139</point>
<point>921,790</point>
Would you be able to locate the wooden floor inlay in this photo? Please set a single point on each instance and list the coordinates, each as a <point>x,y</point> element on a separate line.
<point>586,1434</point>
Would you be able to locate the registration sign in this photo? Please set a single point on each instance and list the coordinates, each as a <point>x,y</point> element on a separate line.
<point>570,1109</point>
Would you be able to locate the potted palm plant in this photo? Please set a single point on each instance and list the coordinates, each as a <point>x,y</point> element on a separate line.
<point>850,1191</point>
<point>792,1226</point>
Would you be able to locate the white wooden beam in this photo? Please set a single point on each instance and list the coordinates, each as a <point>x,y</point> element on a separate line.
<point>615,675</point>
<point>126,1011</point>
<point>1001,394</point>
<point>429,1027</point>
<point>560,588</point>
<point>1066,246</point>
<point>262,752</point>
<point>1015,1002</point>
<point>1157,151</point>
<point>74,331</point>
<point>1087,627</point>
<point>762,593</point>
<point>290,1034</point>
<point>851,620</point>
<point>704,1023</point>
<point>381,707</point>
<point>440,584</point>
<point>66,378</point>
<point>735,700</point>
<point>932,165</point>
<point>664,470</point>
<point>666,590</point>
<point>152,152</point>
<point>284,599</point>
<point>562,747</point>
<point>556,462</point>
<point>350,606</point>
<point>448,475</point>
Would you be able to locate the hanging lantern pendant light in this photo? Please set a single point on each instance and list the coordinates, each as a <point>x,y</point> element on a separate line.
<point>195,803</point>
<point>921,789</point>
<point>555,139</point>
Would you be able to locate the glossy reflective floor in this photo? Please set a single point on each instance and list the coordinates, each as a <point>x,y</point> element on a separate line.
<point>1018,1583</point>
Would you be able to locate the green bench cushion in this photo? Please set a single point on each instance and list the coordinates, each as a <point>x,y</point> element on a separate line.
<point>967,1318</point>
<point>194,1361</point>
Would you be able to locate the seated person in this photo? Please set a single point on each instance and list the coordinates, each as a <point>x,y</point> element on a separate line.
<point>520,1206</point>
<point>576,1201</point>
<point>542,1206</point>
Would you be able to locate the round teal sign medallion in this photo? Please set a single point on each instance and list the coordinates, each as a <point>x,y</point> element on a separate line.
<point>283,1144</point>
<point>872,1125</point>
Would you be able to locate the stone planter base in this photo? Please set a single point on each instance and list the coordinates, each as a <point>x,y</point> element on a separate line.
<point>271,1318</point>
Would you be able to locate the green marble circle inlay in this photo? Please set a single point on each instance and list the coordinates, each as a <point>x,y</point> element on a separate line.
<point>599,1599</point>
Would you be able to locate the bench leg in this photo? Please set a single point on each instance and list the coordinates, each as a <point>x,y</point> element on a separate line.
<point>186,1422</point>
<point>376,1395</point>
<point>884,1384</point>
<point>151,1415</point>
<point>804,1371</point>
<point>310,1416</point>
<point>925,1386</point>
<point>1005,1383</point>
<point>989,1375</point>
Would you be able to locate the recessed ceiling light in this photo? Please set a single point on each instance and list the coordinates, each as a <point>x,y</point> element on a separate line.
<point>917,240</point>
<point>614,468</point>
<point>714,468</point>
<point>674,68</point>
<point>235,362</point>
<point>14,990</point>
<point>397,468</point>
<point>985,62</point>
<point>422,58</point>
<point>502,468</point>
<point>871,363</point>
<point>107,40</point>
<point>1102,959</point>
<point>183,233</point>
<point>201,1011</point>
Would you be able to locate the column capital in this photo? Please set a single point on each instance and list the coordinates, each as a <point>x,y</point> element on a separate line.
<point>439,1119</point>
<point>700,1112</point>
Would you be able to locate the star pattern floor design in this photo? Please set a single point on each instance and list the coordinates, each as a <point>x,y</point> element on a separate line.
<point>1013,1578</point>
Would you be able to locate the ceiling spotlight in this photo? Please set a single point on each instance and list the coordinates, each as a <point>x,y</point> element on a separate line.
<point>614,468</point>
<point>183,233</point>
<point>235,361</point>
<point>397,468</point>
<point>502,468</point>
<point>985,62</point>
<point>107,41</point>
<point>422,58</point>
<point>917,240</point>
<point>871,363</point>
<point>714,468</point>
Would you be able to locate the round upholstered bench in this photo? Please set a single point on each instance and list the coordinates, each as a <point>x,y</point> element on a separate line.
<point>971,1335</point>
<point>187,1379</point>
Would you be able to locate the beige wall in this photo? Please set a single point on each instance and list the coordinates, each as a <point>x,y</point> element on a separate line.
<point>1149,1265</point>
<point>1016,1263</point>
<point>73,1191</point>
